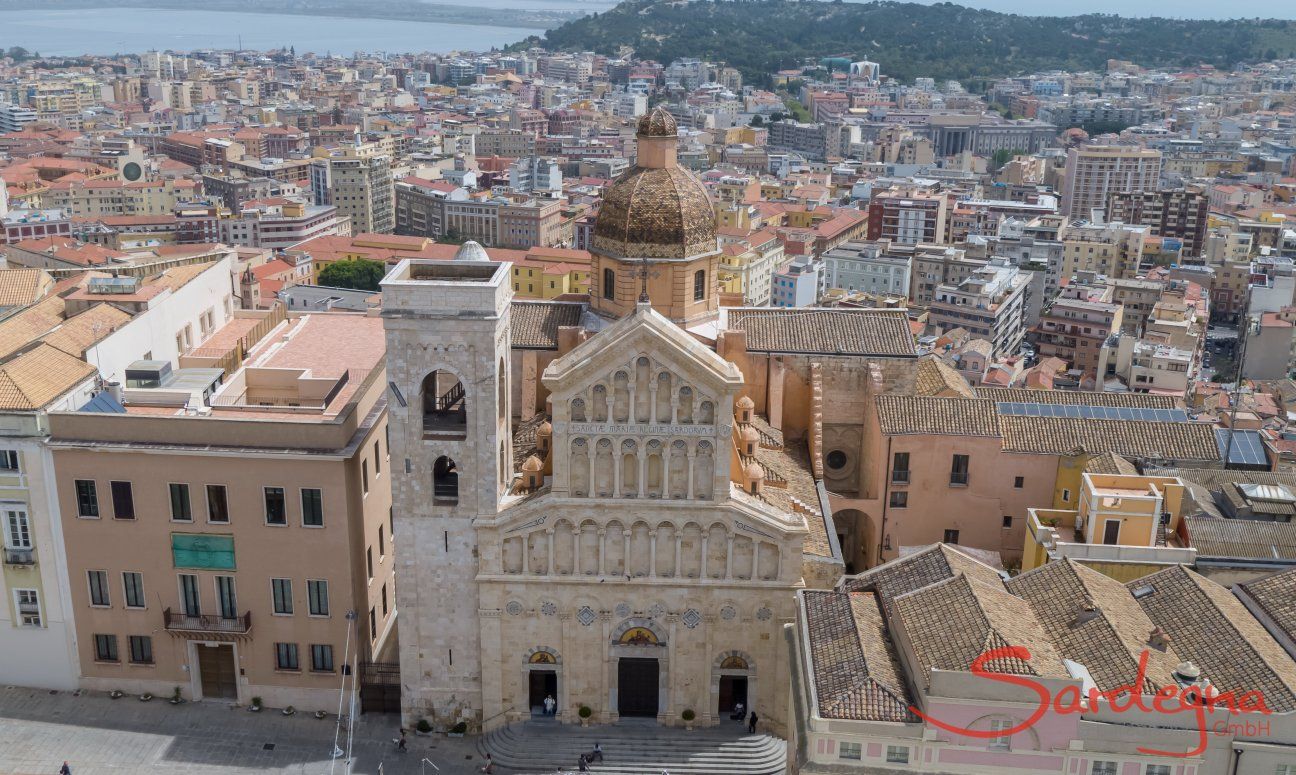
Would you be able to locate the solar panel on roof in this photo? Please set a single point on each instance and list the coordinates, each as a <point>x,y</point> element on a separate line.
<point>1088,412</point>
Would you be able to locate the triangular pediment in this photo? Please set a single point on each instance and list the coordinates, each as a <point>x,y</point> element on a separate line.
<point>645,331</point>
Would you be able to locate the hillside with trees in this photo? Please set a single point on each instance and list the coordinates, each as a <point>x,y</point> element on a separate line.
<point>909,40</point>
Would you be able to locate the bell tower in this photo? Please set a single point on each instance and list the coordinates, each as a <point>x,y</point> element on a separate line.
<point>448,341</point>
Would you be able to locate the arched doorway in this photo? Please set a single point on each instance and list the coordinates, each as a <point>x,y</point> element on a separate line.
<point>638,652</point>
<point>543,667</point>
<point>445,405</point>
<point>733,685</point>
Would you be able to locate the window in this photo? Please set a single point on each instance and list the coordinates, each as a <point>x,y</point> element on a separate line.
<point>317,593</point>
<point>105,647</point>
<point>312,507</point>
<point>133,589</point>
<point>1007,521</point>
<point>281,593</point>
<point>123,500</point>
<point>9,461</point>
<point>364,476</point>
<point>897,754</point>
<point>900,468</point>
<point>190,599</point>
<point>141,649</point>
<point>849,750</point>
<point>28,601</point>
<point>217,505</point>
<point>1164,769</point>
<point>1286,769</point>
<point>445,480</point>
<point>609,284</point>
<point>87,499</point>
<point>321,658</point>
<point>369,561</point>
<point>899,499</point>
<point>226,600</point>
<point>373,624</point>
<point>699,285</point>
<point>180,511</point>
<point>17,528</point>
<point>1066,496</point>
<point>951,537</point>
<point>959,470</point>
<point>384,599</point>
<point>98,588</point>
<point>1019,482</point>
<point>382,542</point>
<point>286,657</point>
<point>1000,743</point>
<point>1103,768</point>
<point>276,512</point>
<point>377,459</point>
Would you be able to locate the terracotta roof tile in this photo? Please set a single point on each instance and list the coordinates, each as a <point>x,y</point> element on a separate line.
<point>825,331</point>
<point>39,376</point>
<point>1140,439</point>
<point>856,672</point>
<point>535,324</point>
<point>909,415</point>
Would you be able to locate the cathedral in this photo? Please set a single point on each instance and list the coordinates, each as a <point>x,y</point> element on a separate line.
<point>613,503</point>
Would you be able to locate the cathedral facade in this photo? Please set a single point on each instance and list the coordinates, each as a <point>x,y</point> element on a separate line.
<point>612,522</point>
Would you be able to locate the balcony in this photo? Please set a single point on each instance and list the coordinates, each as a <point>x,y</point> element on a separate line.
<point>207,626</point>
<point>19,556</point>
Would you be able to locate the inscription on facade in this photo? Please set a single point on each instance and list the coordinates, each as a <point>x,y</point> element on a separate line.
<point>646,429</point>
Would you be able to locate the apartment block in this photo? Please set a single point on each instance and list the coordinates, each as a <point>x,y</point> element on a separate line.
<point>907,218</point>
<point>1178,214</point>
<point>359,184</point>
<point>1095,172</point>
<point>260,562</point>
<point>990,304</point>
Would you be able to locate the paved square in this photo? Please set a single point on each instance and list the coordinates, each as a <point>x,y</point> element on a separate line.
<point>95,734</point>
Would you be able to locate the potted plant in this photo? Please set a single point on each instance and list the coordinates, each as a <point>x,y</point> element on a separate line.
<point>585,712</point>
<point>321,714</point>
<point>458,730</point>
<point>255,707</point>
<point>288,711</point>
<point>176,699</point>
<point>145,697</point>
<point>422,728</point>
<point>688,715</point>
<point>116,694</point>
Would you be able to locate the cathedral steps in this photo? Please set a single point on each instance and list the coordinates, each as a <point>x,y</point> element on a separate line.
<point>636,749</point>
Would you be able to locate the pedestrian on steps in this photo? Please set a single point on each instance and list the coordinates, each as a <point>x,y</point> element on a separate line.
<point>489,766</point>
<point>751,723</point>
<point>65,769</point>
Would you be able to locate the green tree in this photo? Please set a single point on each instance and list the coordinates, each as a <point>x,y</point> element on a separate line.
<point>359,273</point>
<point>758,120</point>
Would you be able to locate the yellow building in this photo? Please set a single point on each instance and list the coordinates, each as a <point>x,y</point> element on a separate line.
<point>1124,526</point>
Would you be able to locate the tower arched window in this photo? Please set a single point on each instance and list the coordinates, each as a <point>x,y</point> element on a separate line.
<point>609,284</point>
<point>445,480</point>
<point>699,285</point>
<point>445,405</point>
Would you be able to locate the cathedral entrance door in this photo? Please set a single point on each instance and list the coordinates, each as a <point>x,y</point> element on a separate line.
<point>544,683</point>
<point>637,689</point>
<point>733,690</point>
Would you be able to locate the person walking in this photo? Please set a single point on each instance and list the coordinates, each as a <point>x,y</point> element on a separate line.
<point>751,723</point>
<point>597,753</point>
<point>65,769</point>
<point>489,766</point>
<point>402,743</point>
<point>549,704</point>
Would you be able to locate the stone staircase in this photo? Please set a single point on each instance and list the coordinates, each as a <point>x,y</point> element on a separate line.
<point>543,746</point>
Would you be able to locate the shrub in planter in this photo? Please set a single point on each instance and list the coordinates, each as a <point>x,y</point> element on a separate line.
<point>288,711</point>
<point>116,694</point>
<point>321,714</point>
<point>176,699</point>
<point>688,714</point>
<point>423,726</point>
<point>585,711</point>
<point>459,729</point>
<point>145,697</point>
<point>256,704</point>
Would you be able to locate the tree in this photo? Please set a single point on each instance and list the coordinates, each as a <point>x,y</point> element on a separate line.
<point>758,120</point>
<point>359,273</point>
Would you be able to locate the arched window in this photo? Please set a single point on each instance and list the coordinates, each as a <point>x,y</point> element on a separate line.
<point>445,480</point>
<point>699,285</point>
<point>445,407</point>
<point>609,284</point>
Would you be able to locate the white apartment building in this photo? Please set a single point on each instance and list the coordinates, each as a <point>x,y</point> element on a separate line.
<point>990,304</point>
<point>866,266</point>
<point>1095,171</point>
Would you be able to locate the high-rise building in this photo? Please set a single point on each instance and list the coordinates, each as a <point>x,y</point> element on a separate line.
<point>359,184</point>
<point>1095,172</point>
<point>907,218</point>
<point>14,117</point>
<point>1178,214</point>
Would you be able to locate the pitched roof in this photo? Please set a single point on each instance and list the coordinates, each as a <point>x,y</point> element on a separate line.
<point>1083,397</point>
<point>951,623</point>
<point>938,378</point>
<point>22,328</point>
<point>1110,463</point>
<point>883,333</point>
<point>1276,597</point>
<point>19,287</point>
<point>1244,538</point>
<point>1094,620</point>
<point>77,334</point>
<point>927,566</point>
<point>1131,438</point>
<point>853,663</point>
<point>1213,629</point>
<point>901,414</point>
<point>534,324</point>
<point>37,377</point>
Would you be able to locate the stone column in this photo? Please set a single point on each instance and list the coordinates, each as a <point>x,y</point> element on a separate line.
<point>602,565</point>
<point>550,533</point>
<point>652,400</point>
<point>643,470</point>
<point>652,554</point>
<point>691,458</point>
<point>526,553</point>
<point>625,553</point>
<point>728,556</point>
<point>706,539</point>
<point>679,551</point>
<point>592,445</point>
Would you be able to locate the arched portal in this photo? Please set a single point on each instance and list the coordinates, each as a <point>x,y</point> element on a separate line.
<point>638,668</point>
<point>445,405</point>
<point>855,537</point>
<point>733,685</point>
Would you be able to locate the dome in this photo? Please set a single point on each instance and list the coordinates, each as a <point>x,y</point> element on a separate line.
<point>749,434</point>
<point>755,472</point>
<point>745,403</point>
<point>544,429</point>
<point>471,251</point>
<point>533,464</point>
<point>655,213</point>
<point>658,123</point>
